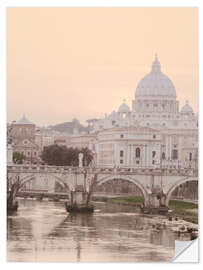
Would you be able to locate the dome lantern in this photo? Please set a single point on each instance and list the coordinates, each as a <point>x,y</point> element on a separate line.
<point>156,67</point>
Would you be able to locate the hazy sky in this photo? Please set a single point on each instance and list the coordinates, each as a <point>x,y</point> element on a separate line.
<point>82,62</point>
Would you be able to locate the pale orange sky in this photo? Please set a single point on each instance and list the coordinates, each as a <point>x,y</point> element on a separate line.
<point>82,62</point>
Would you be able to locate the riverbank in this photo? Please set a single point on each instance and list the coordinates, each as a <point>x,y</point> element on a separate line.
<point>185,210</point>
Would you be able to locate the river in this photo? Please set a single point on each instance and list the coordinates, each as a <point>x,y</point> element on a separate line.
<point>44,232</point>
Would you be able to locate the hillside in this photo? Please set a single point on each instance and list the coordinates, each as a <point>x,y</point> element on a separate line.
<point>69,127</point>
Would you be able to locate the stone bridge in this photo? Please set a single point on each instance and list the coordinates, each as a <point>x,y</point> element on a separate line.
<point>156,185</point>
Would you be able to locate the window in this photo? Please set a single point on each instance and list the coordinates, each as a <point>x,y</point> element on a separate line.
<point>190,156</point>
<point>25,142</point>
<point>35,153</point>
<point>121,153</point>
<point>155,105</point>
<point>113,122</point>
<point>137,152</point>
<point>163,155</point>
<point>153,161</point>
<point>154,136</point>
<point>175,154</point>
<point>121,161</point>
<point>121,136</point>
<point>137,162</point>
<point>28,153</point>
<point>153,154</point>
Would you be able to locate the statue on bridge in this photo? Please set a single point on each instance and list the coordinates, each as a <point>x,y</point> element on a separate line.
<point>80,158</point>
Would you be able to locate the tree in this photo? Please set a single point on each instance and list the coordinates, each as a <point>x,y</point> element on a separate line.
<point>18,157</point>
<point>54,155</point>
<point>63,156</point>
<point>88,156</point>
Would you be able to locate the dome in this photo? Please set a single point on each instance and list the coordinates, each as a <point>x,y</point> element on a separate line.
<point>23,121</point>
<point>124,108</point>
<point>186,108</point>
<point>155,83</point>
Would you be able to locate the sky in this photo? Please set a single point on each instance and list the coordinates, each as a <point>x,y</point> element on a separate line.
<point>65,63</point>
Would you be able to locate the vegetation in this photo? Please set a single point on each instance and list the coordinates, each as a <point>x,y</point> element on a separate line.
<point>18,157</point>
<point>132,200</point>
<point>63,156</point>
<point>183,210</point>
<point>128,200</point>
<point>180,209</point>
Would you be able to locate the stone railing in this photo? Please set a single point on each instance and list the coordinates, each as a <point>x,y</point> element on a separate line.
<point>126,171</point>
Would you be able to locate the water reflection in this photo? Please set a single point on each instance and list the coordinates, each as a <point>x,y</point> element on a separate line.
<point>42,231</point>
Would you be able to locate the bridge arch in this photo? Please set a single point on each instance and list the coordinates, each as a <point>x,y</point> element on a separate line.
<point>176,184</point>
<point>129,179</point>
<point>32,177</point>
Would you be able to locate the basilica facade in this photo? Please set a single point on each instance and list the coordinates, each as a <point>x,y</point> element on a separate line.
<point>153,133</point>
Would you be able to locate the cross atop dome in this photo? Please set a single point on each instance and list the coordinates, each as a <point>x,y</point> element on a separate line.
<point>156,67</point>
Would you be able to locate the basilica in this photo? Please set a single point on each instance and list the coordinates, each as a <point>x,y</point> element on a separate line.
<point>153,133</point>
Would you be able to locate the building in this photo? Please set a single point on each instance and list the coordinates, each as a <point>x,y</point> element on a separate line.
<point>155,125</point>
<point>22,134</point>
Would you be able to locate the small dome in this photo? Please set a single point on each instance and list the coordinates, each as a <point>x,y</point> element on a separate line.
<point>187,108</point>
<point>23,121</point>
<point>124,108</point>
<point>155,83</point>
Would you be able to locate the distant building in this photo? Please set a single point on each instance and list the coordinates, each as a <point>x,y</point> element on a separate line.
<point>22,133</point>
<point>165,135</point>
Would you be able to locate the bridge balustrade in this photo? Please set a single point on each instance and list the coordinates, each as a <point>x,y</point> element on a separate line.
<point>131,170</point>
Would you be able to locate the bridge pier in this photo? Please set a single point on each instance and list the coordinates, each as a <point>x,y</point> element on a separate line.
<point>78,196</point>
<point>12,204</point>
<point>155,203</point>
<point>79,201</point>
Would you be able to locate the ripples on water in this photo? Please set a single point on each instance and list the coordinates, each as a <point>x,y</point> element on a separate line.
<point>43,231</point>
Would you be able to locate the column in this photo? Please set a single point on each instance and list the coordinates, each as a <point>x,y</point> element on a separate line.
<point>179,150</point>
<point>169,147</point>
<point>145,161</point>
<point>149,156</point>
<point>133,154</point>
<point>143,156</point>
<point>128,155</point>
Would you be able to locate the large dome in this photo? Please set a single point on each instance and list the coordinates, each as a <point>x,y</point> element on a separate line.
<point>23,121</point>
<point>155,83</point>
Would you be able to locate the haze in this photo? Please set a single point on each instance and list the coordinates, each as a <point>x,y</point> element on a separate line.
<point>82,62</point>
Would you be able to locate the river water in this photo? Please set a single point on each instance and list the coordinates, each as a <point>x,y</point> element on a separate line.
<point>44,232</point>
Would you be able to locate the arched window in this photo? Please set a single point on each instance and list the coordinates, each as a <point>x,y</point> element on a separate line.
<point>175,154</point>
<point>137,152</point>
